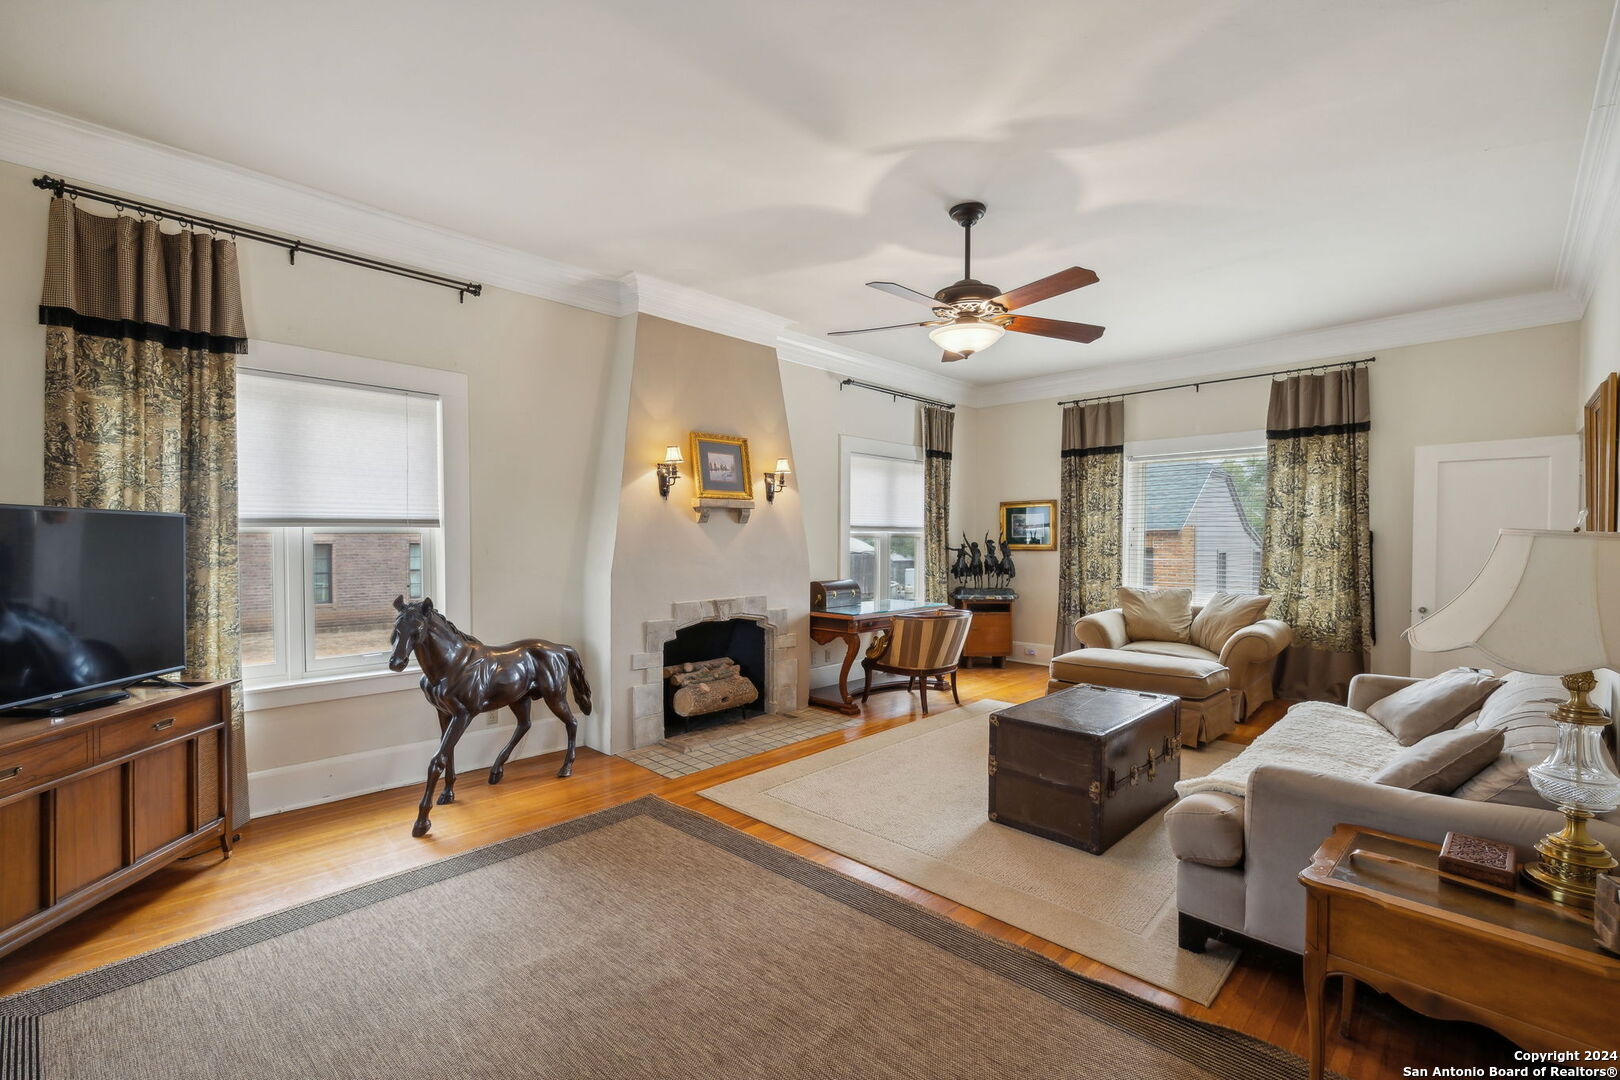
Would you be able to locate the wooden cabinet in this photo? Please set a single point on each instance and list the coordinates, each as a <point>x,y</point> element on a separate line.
<point>990,637</point>
<point>93,802</point>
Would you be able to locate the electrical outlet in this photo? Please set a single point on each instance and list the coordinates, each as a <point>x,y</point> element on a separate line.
<point>1029,650</point>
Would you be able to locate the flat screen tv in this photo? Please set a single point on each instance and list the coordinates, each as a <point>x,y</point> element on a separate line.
<point>90,600</point>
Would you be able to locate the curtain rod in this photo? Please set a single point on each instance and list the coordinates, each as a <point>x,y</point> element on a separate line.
<point>292,246</point>
<point>895,393</point>
<point>1213,382</point>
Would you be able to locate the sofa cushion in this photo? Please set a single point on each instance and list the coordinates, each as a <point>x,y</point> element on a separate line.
<point>1443,762</point>
<point>1156,614</point>
<point>1171,648</point>
<point>1522,711</point>
<point>1223,615</point>
<point>1207,828</point>
<point>1152,672</point>
<point>1413,713</point>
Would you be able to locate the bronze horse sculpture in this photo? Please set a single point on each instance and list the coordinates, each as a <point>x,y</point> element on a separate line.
<point>462,677</point>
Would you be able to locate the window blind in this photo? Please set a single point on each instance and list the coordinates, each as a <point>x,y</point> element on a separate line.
<point>885,492</point>
<point>315,452</point>
<point>1194,521</point>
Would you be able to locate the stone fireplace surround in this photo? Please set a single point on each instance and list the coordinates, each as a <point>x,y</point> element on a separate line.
<point>781,659</point>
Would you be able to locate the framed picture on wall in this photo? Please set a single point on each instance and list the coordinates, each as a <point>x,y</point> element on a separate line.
<point>720,466</point>
<point>1030,526</point>
<point>1600,447</point>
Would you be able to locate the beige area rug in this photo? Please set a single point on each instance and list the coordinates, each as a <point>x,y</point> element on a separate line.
<point>642,941</point>
<point>912,801</point>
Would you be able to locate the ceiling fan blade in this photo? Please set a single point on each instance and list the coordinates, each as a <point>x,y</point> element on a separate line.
<point>906,294</point>
<point>874,329</point>
<point>1068,331</point>
<point>1075,277</point>
<point>950,357</point>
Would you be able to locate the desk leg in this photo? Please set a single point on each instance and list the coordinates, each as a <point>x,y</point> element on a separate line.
<point>844,703</point>
<point>1347,1004</point>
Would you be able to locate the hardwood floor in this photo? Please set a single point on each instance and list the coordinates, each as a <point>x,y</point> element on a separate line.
<point>297,856</point>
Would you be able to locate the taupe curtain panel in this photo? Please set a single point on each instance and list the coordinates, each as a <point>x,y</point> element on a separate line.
<point>1091,513</point>
<point>1316,557</point>
<point>142,332</point>
<point>938,426</point>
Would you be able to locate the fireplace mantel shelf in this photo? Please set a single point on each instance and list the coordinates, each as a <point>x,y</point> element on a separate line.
<point>740,508</point>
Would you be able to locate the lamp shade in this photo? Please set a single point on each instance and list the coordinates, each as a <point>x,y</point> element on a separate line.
<point>782,467</point>
<point>1546,603</point>
<point>672,456</point>
<point>966,335</point>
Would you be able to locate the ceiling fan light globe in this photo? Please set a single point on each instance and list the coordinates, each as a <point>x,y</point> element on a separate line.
<point>966,335</point>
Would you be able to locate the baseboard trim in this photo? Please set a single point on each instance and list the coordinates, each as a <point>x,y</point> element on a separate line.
<point>310,783</point>
<point>1031,652</point>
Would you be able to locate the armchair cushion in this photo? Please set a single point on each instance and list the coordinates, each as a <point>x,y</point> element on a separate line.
<point>1170,648</point>
<point>1223,615</point>
<point>1184,677</point>
<point>1156,614</point>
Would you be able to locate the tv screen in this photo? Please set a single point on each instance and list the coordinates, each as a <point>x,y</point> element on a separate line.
<point>88,599</point>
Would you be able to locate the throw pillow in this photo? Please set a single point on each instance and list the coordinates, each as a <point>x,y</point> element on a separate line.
<point>1443,762</point>
<point>1223,615</point>
<point>1415,712</point>
<point>1156,614</point>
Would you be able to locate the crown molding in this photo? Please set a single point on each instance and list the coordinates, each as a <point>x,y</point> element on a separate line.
<point>810,351</point>
<point>91,154</point>
<point>1594,211</point>
<point>667,300</point>
<point>1416,328</point>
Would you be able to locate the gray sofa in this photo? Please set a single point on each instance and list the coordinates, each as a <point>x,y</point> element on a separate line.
<point>1239,858</point>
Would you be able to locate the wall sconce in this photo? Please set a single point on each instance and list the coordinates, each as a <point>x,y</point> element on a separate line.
<point>669,470</point>
<point>776,481</point>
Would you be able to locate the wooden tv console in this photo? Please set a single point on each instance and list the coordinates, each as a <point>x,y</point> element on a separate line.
<point>92,802</point>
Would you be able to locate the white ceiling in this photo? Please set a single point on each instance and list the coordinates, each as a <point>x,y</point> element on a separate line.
<point>1233,169</point>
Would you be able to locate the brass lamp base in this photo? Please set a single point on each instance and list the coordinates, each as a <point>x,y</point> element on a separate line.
<point>1571,859</point>
<point>1570,862</point>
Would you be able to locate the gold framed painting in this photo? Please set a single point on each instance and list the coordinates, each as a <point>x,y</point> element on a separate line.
<point>720,466</point>
<point>1029,526</point>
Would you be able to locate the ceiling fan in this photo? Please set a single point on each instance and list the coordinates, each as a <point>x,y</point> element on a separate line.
<point>971,316</point>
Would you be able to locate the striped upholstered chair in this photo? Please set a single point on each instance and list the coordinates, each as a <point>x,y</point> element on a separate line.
<point>924,646</point>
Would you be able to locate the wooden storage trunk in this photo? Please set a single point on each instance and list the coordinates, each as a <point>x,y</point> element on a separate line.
<point>1086,765</point>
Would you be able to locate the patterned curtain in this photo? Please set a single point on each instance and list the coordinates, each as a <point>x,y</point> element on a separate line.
<point>1090,514</point>
<point>937,427</point>
<point>142,332</point>
<point>1316,559</point>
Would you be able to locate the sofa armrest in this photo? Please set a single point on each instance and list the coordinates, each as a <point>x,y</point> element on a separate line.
<point>1102,630</point>
<point>1257,642</point>
<point>1366,690</point>
<point>1291,811</point>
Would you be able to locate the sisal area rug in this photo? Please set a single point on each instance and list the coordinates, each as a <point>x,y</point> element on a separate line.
<point>913,802</point>
<point>642,941</point>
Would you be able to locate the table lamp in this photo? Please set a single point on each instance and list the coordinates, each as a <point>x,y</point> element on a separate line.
<point>1548,603</point>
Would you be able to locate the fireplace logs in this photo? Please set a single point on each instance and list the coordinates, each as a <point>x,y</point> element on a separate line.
<point>707,686</point>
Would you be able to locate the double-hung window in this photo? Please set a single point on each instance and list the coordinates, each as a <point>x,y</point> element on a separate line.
<point>885,547</point>
<point>1194,516</point>
<point>339,508</point>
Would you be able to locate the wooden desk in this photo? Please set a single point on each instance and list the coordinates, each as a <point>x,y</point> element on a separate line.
<point>1379,911</point>
<point>847,623</point>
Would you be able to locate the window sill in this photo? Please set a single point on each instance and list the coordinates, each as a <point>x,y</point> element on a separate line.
<point>278,695</point>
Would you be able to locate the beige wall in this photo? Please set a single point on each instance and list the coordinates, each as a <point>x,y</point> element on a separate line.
<point>1498,386</point>
<point>1600,330</point>
<point>536,381</point>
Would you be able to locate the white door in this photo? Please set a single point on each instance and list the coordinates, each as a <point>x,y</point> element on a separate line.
<point>1462,494</point>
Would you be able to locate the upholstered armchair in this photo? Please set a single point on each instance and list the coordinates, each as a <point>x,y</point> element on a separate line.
<point>924,646</point>
<point>1250,655</point>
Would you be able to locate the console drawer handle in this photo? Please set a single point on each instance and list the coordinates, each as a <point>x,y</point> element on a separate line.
<point>14,771</point>
<point>163,725</point>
